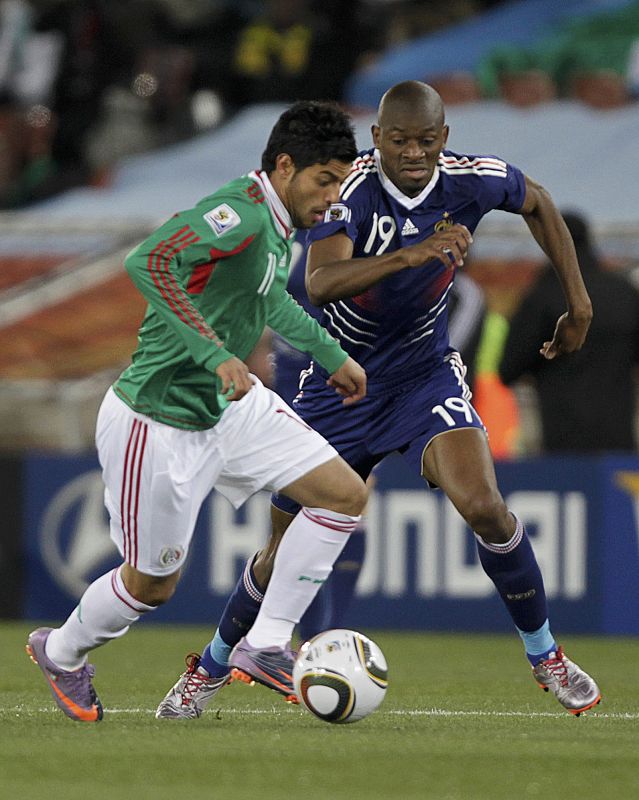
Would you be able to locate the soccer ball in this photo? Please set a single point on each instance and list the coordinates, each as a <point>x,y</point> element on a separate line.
<point>340,676</point>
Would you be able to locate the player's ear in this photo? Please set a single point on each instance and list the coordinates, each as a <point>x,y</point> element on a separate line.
<point>376,134</point>
<point>284,165</point>
<point>446,131</point>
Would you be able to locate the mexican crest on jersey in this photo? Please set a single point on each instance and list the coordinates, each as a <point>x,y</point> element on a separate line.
<point>222,218</point>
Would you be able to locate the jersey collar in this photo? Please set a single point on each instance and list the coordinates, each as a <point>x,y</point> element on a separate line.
<point>393,191</point>
<point>281,217</point>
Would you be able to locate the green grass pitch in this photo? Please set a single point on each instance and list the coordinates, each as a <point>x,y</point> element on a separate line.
<point>462,720</point>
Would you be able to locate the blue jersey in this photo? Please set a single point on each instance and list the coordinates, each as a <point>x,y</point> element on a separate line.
<point>399,326</point>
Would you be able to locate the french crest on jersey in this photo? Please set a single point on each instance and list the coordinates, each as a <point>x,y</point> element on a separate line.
<point>445,222</point>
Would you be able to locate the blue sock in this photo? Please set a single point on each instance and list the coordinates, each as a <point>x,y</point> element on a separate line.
<point>331,603</point>
<point>215,657</point>
<point>513,569</point>
<point>539,644</point>
<point>237,618</point>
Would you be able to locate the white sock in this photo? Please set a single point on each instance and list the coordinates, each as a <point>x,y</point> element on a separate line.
<point>303,561</point>
<point>105,611</point>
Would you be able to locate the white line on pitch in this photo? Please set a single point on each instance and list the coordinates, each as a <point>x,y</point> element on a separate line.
<point>416,712</point>
<point>442,712</point>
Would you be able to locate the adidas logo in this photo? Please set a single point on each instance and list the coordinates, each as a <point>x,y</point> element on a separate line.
<point>409,229</point>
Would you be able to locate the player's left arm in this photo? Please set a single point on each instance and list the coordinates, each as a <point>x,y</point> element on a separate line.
<point>289,319</point>
<point>551,233</point>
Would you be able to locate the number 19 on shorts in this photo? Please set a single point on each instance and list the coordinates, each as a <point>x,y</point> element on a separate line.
<point>457,406</point>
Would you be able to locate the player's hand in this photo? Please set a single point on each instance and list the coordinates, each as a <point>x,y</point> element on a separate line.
<point>570,334</point>
<point>349,381</point>
<point>235,378</point>
<point>449,246</point>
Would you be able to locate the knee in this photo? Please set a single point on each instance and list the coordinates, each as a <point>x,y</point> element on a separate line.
<point>355,498</point>
<point>159,592</point>
<point>349,497</point>
<point>152,590</point>
<point>488,516</point>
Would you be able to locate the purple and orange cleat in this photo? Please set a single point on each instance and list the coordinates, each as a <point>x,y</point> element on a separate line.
<point>272,667</point>
<point>72,690</point>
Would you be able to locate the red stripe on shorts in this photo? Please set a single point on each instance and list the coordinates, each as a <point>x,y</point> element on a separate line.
<point>123,520</point>
<point>130,480</point>
<point>137,495</point>
<point>294,418</point>
<point>130,495</point>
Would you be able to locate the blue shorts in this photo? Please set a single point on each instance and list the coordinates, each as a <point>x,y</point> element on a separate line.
<point>402,417</point>
<point>287,375</point>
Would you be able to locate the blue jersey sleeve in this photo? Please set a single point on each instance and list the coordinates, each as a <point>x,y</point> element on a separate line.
<point>340,217</point>
<point>505,193</point>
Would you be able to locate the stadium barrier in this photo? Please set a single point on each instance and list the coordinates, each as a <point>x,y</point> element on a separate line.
<point>421,569</point>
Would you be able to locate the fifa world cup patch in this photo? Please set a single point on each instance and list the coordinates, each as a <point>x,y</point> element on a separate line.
<point>222,219</point>
<point>337,212</point>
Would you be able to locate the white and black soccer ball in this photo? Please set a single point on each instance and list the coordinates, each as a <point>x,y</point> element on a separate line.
<point>340,676</point>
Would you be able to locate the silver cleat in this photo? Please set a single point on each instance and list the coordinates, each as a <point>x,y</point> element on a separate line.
<point>192,693</point>
<point>573,688</point>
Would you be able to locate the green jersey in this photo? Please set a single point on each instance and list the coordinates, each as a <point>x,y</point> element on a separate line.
<point>214,277</point>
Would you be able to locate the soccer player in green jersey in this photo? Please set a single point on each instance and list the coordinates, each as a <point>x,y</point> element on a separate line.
<point>187,416</point>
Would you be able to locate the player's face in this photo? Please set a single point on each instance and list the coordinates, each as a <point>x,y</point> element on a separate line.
<point>311,191</point>
<point>409,148</point>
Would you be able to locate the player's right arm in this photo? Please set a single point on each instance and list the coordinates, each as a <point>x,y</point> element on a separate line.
<point>333,274</point>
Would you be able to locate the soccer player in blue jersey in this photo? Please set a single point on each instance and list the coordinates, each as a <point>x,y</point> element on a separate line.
<point>382,265</point>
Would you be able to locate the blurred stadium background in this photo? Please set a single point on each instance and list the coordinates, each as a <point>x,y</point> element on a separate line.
<point>115,114</point>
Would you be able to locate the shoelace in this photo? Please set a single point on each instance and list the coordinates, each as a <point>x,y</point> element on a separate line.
<point>557,667</point>
<point>195,679</point>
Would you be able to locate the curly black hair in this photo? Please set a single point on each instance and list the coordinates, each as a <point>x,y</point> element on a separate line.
<point>311,132</point>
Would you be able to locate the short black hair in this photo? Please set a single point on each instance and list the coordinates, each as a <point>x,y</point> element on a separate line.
<point>311,132</point>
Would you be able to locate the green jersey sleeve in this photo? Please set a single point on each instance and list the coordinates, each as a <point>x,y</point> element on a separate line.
<point>290,320</point>
<point>167,265</point>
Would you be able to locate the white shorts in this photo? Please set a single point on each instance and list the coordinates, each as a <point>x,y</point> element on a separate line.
<point>156,477</point>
